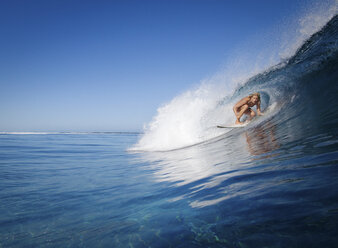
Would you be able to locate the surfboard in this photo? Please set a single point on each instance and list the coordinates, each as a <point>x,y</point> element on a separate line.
<point>231,126</point>
<point>234,125</point>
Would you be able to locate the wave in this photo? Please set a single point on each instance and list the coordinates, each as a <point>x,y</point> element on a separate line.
<point>288,89</point>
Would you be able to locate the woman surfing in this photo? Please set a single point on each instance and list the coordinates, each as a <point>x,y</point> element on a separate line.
<point>244,107</point>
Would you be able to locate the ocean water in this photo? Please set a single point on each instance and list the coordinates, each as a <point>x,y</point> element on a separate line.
<point>273,183</point>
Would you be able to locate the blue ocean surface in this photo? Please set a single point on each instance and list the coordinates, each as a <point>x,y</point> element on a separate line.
<point>273,183</point>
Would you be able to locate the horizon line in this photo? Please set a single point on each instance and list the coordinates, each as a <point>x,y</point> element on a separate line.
<point>71,132</point>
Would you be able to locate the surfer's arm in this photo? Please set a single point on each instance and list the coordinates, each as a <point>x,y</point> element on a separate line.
<point>259,108</point>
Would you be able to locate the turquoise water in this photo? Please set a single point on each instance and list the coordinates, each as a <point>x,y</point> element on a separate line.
<point>271,184</point>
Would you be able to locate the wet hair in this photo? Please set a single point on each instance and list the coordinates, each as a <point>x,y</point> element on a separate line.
<point>255,94</point>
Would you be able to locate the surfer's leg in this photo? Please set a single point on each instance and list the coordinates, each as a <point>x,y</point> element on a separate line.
<point>251,113</point>
<point>239,114</point>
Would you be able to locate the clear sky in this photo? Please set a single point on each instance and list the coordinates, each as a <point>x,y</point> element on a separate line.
<point>108,65</point>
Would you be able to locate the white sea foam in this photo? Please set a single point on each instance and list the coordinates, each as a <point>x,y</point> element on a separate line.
<point>191,117</point>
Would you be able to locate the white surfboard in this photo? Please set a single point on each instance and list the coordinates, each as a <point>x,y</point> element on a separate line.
<point>234,125</point>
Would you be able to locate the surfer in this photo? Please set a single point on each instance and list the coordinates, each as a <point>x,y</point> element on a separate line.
<point>244,107</point>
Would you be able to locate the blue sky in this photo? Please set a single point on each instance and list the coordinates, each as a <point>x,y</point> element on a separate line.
<point>108,65</point>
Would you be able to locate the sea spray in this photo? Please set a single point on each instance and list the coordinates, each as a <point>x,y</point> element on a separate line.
<point>313,18</point>
<point>178,123</point>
